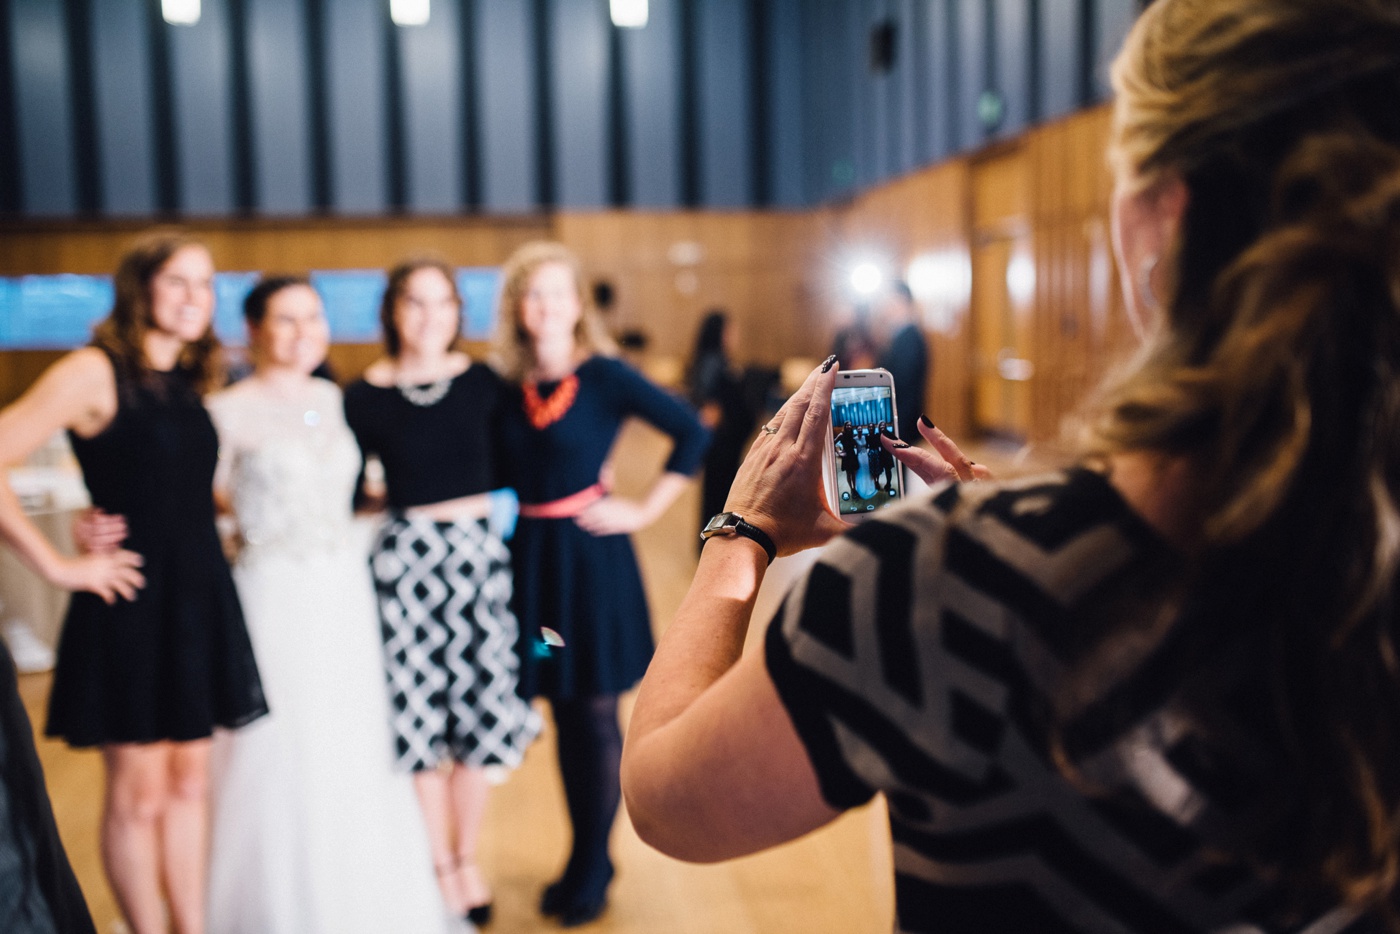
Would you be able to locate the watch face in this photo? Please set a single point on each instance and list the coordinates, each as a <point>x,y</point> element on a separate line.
<point>720,523</point>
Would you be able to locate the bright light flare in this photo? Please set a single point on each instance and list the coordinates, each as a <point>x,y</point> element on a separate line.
<point>866,279</point>
<point>180,12</point>
<point>409,12</point>
<point>1020,279</point>
<point>628,14</point>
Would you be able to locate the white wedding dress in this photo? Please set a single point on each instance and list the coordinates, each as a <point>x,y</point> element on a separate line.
<point>313,832</point>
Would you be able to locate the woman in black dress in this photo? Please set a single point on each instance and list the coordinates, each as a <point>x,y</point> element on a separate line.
<point>150,660</point>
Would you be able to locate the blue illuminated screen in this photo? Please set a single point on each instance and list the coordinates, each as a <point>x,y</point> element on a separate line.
<point>58,312</point>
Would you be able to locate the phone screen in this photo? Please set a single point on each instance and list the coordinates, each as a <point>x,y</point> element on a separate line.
<point>867,476</point>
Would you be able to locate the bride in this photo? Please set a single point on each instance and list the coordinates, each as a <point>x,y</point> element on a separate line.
<point>313,829</point>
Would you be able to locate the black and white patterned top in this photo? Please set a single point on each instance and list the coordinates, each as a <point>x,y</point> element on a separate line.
<point>925,657</point>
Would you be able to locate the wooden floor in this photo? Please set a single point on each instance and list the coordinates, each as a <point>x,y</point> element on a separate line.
<point>835,881</point>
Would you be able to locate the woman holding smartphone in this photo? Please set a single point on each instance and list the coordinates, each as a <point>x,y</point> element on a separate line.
<point>430,414</point>
<point>575,570</point>
<point>1155,690</point>
<point>154,653</point>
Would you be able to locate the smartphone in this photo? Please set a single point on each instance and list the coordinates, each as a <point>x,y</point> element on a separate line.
<point>861,476</point>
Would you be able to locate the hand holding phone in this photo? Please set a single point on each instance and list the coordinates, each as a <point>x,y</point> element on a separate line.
<point>860,472</point>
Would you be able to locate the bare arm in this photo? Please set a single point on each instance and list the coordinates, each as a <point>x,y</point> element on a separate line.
<point>713,767</point>
<point>614,515</point>
<point>79,392</point>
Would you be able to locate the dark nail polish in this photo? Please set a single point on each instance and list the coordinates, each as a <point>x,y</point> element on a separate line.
<point>901,445</point>
<point>828,363</point>
<point>925,420</point>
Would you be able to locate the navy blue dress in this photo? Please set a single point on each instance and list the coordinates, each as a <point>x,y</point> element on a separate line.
<point>587,588</point>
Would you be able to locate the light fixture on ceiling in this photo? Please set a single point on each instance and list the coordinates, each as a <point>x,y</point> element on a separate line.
<point>180,12</point>
<point>409,12</point>
<point>628,14</point>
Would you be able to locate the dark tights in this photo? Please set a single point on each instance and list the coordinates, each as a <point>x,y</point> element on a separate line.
<point>590,756</point>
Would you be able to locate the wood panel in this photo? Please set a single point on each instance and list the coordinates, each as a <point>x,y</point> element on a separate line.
<point>669,268</point>
<point>921,221</point>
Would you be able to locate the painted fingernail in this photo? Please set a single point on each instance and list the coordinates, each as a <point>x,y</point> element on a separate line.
<point>828,363</point>
<point>925,420</point>
<point>901,445</point>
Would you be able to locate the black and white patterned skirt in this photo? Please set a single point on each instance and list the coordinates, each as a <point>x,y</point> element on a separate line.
<point>444,592</point>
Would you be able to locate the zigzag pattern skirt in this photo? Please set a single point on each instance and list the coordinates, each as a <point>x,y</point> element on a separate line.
<point>444,592</point>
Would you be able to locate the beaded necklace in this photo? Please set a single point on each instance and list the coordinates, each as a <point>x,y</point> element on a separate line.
<point>543,412</point>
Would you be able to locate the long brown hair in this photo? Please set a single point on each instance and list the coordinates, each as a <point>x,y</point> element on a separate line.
<point>1275,372</point>
<point>513,354</point>
<point>123,332</point>
<point>394,291</point>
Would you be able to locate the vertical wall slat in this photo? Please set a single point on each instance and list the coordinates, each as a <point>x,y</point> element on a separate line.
<point>43,108</point>
<point>355,106</point>
<point>972,40</point>
<point>506,78</point>
<point>280,107</point>
<point>909,68</point>
<point>203,111</point>
<point>1013,57</point>
<point>877,99</point>
<point>937,81</point>
<point>1061,52</point>
<point>725,108</point>
<point>1112,20</point>
<point>579,72</point>
<point>122,81</point>
<point>785,154</point>
<point>431,84</point>
<point>651,60</point>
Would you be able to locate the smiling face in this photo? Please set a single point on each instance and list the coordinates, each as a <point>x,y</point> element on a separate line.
<point>427,315</point>
<point>551,308</point>
<point>182,294</point>
<point>294,333</point>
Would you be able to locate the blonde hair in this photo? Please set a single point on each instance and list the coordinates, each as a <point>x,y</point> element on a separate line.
<point>513,355</point>
<point>1275,372</point>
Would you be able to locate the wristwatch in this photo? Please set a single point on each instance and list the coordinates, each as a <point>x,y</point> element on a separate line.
<point>731,523</point>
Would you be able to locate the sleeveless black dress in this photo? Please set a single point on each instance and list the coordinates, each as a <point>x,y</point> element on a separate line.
<point>175,662</point>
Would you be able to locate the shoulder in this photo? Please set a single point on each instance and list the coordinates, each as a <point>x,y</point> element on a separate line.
<point>380,373</point>
<point>326,390</point>
<point>87,366</point>
<point>1059,529</point>
<point>481,373</point>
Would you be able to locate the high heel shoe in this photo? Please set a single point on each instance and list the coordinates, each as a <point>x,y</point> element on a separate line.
<point>577,903</point>
<point>479,915</point>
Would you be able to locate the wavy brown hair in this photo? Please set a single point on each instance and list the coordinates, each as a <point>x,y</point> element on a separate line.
<point>1275,372</point>
<point>394,291</point>
<point>513,355</point>
<point>123,332</point>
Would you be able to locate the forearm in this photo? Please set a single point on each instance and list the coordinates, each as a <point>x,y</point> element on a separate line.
<point>706,637</point>
<point>663,493</point>
<point>24,537</point>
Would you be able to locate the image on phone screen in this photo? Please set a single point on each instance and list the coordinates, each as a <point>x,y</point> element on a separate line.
<point>867,476</point>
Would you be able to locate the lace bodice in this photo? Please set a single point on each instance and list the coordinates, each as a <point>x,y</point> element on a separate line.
<point>287,466</point>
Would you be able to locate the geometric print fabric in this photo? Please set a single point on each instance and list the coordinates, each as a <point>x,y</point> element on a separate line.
<point>444,591</point>
<point>918,658</point>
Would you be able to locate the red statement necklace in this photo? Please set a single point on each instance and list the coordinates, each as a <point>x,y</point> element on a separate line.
<point>545,412</point>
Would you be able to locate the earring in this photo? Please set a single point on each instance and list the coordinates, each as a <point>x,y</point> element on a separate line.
<point>1144,280</point>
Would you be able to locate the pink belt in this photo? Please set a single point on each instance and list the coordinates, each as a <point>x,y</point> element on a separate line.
<point>565,508</point>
